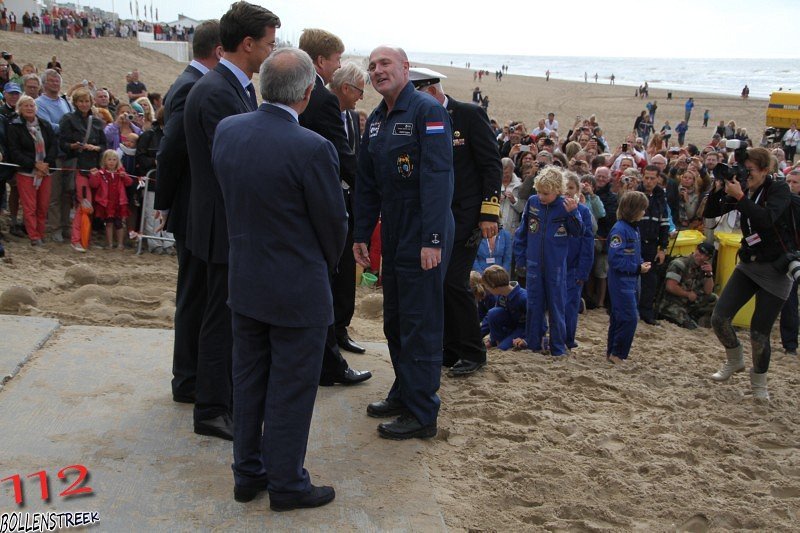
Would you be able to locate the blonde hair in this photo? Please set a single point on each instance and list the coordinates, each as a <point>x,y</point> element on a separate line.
<point>551,179</point>
<point>106,155</point>
<point>495,277</point>
<point>80,93</point>
<point>147,106</point>
<point>475,285</point>
<point>25,98</point>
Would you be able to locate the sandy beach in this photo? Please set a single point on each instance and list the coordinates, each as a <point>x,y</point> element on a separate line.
<point>530,443</point>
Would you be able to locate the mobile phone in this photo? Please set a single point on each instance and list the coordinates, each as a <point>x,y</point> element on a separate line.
<point>524,148</point>
<point>624,147</point>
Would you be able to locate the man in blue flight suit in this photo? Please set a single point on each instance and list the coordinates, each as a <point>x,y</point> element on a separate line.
<point>406,175</point>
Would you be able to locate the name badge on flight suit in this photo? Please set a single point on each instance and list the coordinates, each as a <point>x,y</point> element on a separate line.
<point>374,128</point>
<point>753,239</point>
<point>403,128</point>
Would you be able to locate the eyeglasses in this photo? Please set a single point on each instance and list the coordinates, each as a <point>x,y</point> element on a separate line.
<point>360,90</point>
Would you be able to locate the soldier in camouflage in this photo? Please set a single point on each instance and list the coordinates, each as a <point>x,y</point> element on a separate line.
<point>688,298</point>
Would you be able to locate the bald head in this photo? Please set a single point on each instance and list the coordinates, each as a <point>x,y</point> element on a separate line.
<point>388,71</point>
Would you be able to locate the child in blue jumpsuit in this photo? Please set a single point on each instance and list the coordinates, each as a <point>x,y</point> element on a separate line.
<point>580,259</point>
<point>624,266</point>
<point>507,319</point>
<point>483,299</point>
<point>541,245</point>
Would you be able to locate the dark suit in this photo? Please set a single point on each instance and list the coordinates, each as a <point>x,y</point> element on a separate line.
<point>215,96</point>
<point>324,117</point>
<point>280,262</point>
<point>478,173</point>
<point>172,193</point>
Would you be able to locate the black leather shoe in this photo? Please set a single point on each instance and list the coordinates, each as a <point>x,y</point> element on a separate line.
<point>349,345</point>
<point>221,426</point>
<point>406,427</point>
<point>349,377</point>
<point>651,321</point>
<point>317,497</point>
<point>245,494</point>
<point>386,408</point>
<point>465,368</point>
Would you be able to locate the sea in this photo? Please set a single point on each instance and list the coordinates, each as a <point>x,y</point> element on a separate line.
<point>719,76</point>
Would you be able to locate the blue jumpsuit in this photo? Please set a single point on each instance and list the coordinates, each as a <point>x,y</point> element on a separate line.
<point>624,265</point>
<point>580,259</point>
<point>507,319</point>
<point>405,175</point>
<point>541,244</point>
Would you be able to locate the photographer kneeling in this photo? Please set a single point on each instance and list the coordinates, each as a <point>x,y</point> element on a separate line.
<point>762,268</point>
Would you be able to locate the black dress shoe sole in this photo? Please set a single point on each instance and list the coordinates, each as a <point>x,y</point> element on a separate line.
<point>346,382</point>
<point>426,432</point>
<point>180,398</point>
<point>319,502</point>
<point>212,432</point>
<point>387,413</point>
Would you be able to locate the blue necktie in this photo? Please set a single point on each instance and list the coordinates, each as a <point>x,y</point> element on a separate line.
<point>251,95</point>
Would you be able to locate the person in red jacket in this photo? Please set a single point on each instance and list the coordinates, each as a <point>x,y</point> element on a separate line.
<point>110,200</point>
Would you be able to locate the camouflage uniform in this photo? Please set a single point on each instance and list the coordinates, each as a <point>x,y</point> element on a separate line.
<point>678,309</point>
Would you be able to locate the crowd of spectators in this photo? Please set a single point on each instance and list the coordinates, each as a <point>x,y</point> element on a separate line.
<point>64,23</point>
<point>55,157</point>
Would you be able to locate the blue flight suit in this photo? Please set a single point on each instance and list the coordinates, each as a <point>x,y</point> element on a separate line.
<point>405,175</point>
<point>580,259</point>
<point>624,266</point>
<point>541,244</point>
<point>507,320</point>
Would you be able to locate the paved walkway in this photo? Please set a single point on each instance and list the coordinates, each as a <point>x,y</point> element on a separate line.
<point>99,397</point>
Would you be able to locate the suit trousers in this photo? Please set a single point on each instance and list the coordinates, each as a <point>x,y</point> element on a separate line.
<point>215,344</point>
<point>343,283</point>
<point>647,299</point>
<point>462,329</point>
<point>275,378</point>
<point>190,301</point>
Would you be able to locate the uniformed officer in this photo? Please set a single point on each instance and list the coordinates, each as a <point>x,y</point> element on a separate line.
<point>478,173</point>
<point>406,175</point>
<point>688,298</point>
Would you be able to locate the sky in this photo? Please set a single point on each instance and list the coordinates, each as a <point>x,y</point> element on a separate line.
<point>609,28</point>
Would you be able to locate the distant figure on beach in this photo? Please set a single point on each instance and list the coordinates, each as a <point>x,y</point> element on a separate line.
<point>688,106</point>
<point>706,116</point>
<point>585,77</point>
<point>547,75</point>
<point>476,96</point>
<point>745,91</point>
<point>485,102</point>
<point>595,77</point>
<point>612,79</point>
<point>480,75</point>
<point>666,132</point>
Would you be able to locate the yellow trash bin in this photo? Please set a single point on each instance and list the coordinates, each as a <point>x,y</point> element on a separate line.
<point>688,240</point>
<point>729,244</point>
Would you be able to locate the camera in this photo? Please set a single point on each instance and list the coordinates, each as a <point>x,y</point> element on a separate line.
<point>738,170</point>
<point>789,263</point>
<point>524,148</point>
<point>130,116</point>
<point>625,179</point>
<point>6,55</point>
<point>624,147</point>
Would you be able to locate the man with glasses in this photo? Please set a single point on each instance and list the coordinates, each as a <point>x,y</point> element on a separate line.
<point>476,209</point>
<point>324,116</point>
<point>247,33</point>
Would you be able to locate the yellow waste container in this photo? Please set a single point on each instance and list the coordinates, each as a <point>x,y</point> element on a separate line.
<point>729,244</point>
<point>688,240</point>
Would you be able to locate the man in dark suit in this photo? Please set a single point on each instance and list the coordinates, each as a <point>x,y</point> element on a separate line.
<point>347,84</point>
<point>280,263</point>
<point>476,209</point>
<point>323,116</point>
<point>247,33</point>
<point>172,201</point>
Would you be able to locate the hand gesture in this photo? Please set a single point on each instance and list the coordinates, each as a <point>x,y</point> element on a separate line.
<point>361,254</point>
<point>519,343</point>
<point>570,204</point>
<point>646,267</point>
<point>430,257</point>
<point>488,229</point>
<point>733,188</point>
<point>660,256</point>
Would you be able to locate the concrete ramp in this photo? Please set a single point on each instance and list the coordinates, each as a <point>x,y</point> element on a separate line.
<point>100,397</point>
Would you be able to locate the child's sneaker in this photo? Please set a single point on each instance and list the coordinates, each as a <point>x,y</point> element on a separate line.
<point>78,248</point>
